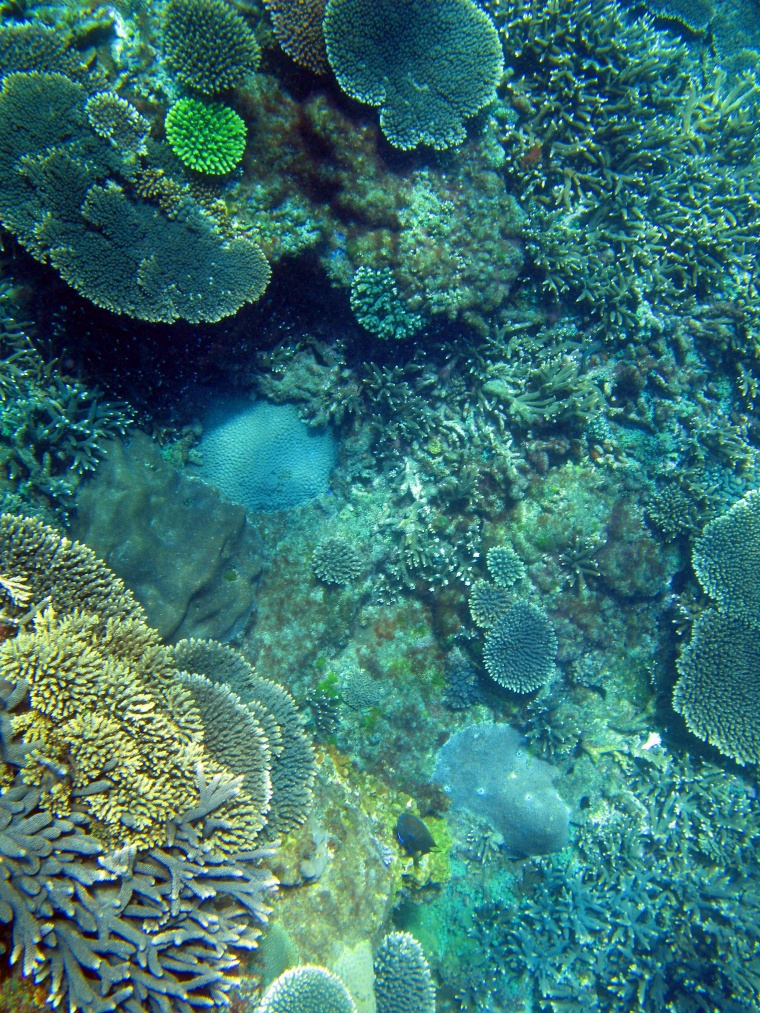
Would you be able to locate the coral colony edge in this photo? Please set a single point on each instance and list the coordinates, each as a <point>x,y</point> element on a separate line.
<point>379,506</point>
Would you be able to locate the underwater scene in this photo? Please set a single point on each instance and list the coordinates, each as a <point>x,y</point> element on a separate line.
<point>379,506</point>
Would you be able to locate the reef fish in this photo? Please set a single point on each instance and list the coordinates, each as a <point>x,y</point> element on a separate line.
<point>414,835</point>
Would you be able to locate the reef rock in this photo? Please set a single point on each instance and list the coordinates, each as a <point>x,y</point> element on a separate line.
<point>191,559</point>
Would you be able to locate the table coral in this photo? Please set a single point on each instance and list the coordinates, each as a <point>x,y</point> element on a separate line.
<point>428,65</point>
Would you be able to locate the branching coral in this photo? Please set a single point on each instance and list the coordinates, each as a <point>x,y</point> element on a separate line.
<point>207,45</point>
<point>206,137</point>
<point>627,154</point>
<point>336,561</point>
<point>520,648</point>
<point>307,988</point>
<point>403,983</point>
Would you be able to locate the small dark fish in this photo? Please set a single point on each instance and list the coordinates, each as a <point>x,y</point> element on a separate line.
<point>414,835</point>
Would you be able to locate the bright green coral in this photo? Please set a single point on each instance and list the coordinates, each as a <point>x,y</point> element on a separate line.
<point>207,137</point>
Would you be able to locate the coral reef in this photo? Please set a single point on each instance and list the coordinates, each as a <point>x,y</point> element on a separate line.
<point>486,770</point>
<point>72,205</point>
<point>641,917</point>
<point>53,428</point>
<point>520,648</point>
<point>207,137</point>
<point>726,560</point>
<point>307,989</point>
<point>718,690</point>
<point>461,689</point>
<point>142,931</point>
<point>403,983</point>
<point>298,27</point>
<point>626,235</point>
<point>429,67</point>
<point>264,457</point>
<point>207,45</point>
<point>504,565</point>
<point>143,517</point>
<point>336,561</point>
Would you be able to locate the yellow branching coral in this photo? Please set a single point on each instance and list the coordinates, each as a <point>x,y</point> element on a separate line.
<point>110,730</point>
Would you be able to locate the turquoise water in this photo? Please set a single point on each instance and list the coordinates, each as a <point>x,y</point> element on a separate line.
<point>380,488</point>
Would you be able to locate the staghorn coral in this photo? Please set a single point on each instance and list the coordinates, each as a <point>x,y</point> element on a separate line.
<point>53,428</point>
<point>488,602</point>
<point>307,988</point>
<point>504,565</point>
<point>641,917</point>
<point>298,27</point>
<point>626,151</point>
<point>206,137</point>
<point>403,983</point>
<point>429,66</point>
<point>520,648</point>
<point>65,574</point>
<point>74,206</point>
<point>379,308</point>
<point>292,768</point>
<point>726,559</point>
<point>718,689</point>
<point>336,561</point>
<point>207,45</point>
<point>143,931</point>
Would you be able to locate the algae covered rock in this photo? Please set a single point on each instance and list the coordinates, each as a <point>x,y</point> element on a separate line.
<point>191,559</point>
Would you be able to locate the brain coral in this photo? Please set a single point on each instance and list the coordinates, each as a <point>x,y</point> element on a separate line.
<point>207,45</point>
<point>727,559</point>
<point>265,457</point>
<point>206,136</point>
<point>486,770</point>
<point>307,989</point>
<point>402,976</point>
<point>428,64</point>
<point>718,690</point>
<point>520,648</point>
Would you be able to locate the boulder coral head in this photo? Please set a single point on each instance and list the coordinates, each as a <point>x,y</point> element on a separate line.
<point>428,64</point>
<point>486,770</point>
